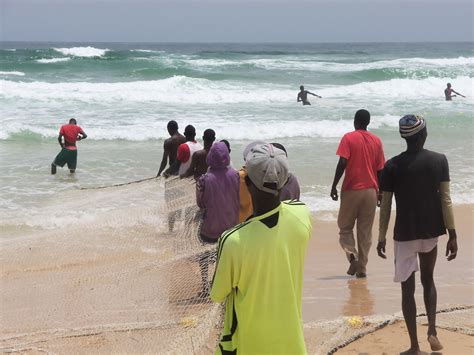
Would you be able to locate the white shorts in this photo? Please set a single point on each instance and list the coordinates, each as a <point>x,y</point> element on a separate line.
<point>406,256</point>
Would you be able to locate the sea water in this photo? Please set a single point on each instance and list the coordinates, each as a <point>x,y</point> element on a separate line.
<point>123,95</point>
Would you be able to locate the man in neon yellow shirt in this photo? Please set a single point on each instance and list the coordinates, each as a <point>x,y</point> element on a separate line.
<point>259,269</point>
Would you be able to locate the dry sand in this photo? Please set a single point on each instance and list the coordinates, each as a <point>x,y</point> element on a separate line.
<point>74,290</point>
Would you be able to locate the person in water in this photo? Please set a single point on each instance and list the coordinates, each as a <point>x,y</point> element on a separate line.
<point>70,133</point>
<point>170,147</point>
<point>448,92</point>
<point>199,165</point>
<point>303,96</point>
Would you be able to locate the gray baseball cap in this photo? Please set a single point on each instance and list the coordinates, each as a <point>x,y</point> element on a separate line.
<point>250,146</point>
<point>267,165</point>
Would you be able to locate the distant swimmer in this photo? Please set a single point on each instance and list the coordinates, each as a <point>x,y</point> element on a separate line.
<point>448,93</point>
<point>70,133</point>
<point>170,147</point>
<point>303,96</point>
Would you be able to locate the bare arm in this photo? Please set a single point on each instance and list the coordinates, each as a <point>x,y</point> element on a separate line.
<point>385,211</point>
<point>458,93</point>
<point>60,140</point>
<point>82,135</point>
<point>164,159</point>
<point>314,94</point>
<point>298,98</point>
<point>340,168</point>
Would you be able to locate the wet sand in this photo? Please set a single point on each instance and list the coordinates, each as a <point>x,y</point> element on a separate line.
<point>329,293</point>
<point>73,288</point>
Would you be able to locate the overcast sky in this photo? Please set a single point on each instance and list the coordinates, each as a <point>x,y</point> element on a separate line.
<point>236,21</point>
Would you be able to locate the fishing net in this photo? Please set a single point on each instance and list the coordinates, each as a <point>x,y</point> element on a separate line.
<point>129,278</point>
<point>121,270</point>
<point>328,337</point>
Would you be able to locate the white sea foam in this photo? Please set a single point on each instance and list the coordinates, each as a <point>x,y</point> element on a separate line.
<point>299,63</point>
<point>15,73</point>
<point>87,52</point>
<point>194,91</point>
<point>52,60</point>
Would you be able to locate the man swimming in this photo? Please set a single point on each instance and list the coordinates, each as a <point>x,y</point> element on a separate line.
<point>448,92</point>
<point>303,96</point>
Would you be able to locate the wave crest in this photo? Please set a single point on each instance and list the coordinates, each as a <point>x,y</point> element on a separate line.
<point>86,52</point>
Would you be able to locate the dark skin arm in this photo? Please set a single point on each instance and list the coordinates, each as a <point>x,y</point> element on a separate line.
<point>81,136</point>
<point>458,93</point>
<point>173,169</point>
<point>164,159</point>
<point>314,94</point>
<point>340,168</point>
<point>60,140</point>
<point>451,246</point>
<point>379,196</point>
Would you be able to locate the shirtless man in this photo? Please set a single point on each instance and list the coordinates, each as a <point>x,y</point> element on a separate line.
<point>448,93</point>
<point>303,96</point>
<point>170,147</point>
<point>199,165</point>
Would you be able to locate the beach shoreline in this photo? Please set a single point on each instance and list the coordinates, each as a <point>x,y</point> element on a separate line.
<point>55,282</point>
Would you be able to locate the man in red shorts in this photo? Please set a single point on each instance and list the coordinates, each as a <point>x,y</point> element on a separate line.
<point>68,155</point>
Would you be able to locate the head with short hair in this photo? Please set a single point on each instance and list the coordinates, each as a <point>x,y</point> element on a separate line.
<point>267,168</point>
<point>361,119</point>
<point>190,132</point>
<point>226,142</point>
<point>72,121</point>
<point>209,136</point>
<point>448,85</point>
<point>172,127</point>
<point>301,87</point>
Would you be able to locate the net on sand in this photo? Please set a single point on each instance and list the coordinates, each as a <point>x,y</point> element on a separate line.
<point>133,278</point>
<point>121,270</point>
<point>327,337</point>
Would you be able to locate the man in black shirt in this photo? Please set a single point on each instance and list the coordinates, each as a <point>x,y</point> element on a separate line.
<point>419,178</point>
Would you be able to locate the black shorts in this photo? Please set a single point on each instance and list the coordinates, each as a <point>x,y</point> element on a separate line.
<point>66,156</point>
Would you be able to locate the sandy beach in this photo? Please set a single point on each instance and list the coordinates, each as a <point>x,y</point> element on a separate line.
<point>86,289</point>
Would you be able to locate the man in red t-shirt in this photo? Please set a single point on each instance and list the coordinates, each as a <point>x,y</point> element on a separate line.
<point>361,158</point>
<point>70,133</point>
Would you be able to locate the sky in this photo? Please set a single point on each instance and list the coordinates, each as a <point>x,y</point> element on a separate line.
<point>236,21</point>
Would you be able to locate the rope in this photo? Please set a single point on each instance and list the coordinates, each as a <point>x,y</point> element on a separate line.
<point>122,184</point>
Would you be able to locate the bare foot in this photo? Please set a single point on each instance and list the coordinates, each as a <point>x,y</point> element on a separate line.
<point>434,343</point>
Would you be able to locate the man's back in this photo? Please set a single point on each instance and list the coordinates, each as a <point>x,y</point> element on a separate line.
<point>70,132</point>
<point>172,145</point>
<point>266,268</point>
<point>414,178</point>
<point>364,153</point>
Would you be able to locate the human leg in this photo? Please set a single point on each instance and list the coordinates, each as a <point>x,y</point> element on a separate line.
<point>72,161</point>
<point>365,220</point>
<point>427,265</point>
<point>345,221</point>
<point>409,312</point>
<point>60,160</point>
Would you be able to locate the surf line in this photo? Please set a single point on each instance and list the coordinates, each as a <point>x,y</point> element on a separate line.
<point>122,184</point>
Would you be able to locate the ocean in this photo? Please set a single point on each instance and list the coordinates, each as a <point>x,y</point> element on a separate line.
<point>123,94</point>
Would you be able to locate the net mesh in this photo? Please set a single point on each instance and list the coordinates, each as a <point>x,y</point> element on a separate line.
<point>129,275</point>
<point>136,269</point>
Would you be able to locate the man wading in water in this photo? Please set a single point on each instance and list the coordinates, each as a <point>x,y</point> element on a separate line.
<point>303,96</point>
